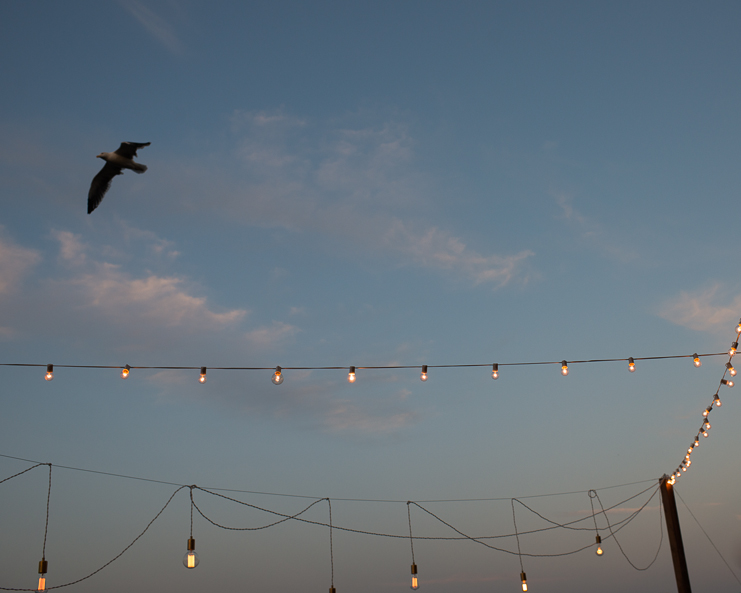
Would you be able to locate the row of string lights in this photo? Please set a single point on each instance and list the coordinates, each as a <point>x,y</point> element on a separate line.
<point>191,558</point>
<point>278,375</point>
<point>704,430</point>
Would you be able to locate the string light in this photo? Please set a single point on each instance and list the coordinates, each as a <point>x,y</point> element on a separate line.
<point>202,378</point>
<point>696,359</point>
<point>727,382</point>
<point>717,402</point>
<point>523,578</point>
<point>43,567</point>
<point>351,375</point>
<point>191,559</point>
<point>125,371</point>
<point>49,372</point>
<point>732,350</point>
<point>277,377</point>
<point>415,581</point>
<point>423,375</point>
<point>495,371</point>
<point>707,411</point>
<point>564,368</point>
<point>731,370</point>
<point>598,541</point>
<point>631,365</point>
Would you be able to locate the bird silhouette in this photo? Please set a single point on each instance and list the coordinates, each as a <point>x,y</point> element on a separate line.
<point>115,162</point>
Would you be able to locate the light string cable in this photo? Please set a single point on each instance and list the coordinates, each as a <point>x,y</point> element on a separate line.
<point>464,536</point>
<point>115,475</point>
<point>517,535</point>
<point>707,536</point>
<point>202,369</point>
<point>612,532</point>
<point>113,559</point>
<point>331,549</point>
<point>716,403</point>
<point>46,526</point>
<point>411,539</point>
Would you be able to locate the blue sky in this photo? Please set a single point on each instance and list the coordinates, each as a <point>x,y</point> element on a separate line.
<point>368,184</point>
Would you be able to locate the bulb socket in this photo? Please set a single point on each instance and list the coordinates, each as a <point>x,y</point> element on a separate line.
<point>414,569</point>
<point>191,544</point>
<point>43,566</point>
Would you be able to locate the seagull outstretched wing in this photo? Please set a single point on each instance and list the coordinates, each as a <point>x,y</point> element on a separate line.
<point>99,186</point>
<point>128,149</point>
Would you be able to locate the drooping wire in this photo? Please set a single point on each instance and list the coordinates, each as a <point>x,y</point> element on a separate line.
<point>612,533</point>
<point>114,558</point>
<point>331,549</point>
<point>46,526</point>
<point>517,536</point>
<point>707,536</point>
<point>411,539</point>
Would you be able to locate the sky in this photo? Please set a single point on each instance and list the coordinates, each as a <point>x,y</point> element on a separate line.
<point>386,184</point>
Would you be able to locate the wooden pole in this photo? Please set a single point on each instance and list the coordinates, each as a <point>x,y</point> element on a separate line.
<point>675,536</point>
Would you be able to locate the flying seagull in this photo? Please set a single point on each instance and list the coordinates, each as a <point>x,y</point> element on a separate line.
<point>115,163</point>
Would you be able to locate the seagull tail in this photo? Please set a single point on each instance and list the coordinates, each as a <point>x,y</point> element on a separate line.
<point>139,168</point>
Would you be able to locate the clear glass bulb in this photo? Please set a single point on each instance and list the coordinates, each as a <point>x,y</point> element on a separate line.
<point>42,583</point>
<point>191,560</point>
<point>351,375</point>
<point>49,376</point>
<point>598,541</point>
<point>564,370</point>
<point>696,360</point>
<point>732,350</point>
<point>423,375</point>
<point>277,377</point>
<point>599,551</point>
<point>717,401</point>
<point>125,372</point>
<point>632,367</point>
<point>728,382</point>
<point>495,374</point>
<point>524,581</point>
<point>415,579</point>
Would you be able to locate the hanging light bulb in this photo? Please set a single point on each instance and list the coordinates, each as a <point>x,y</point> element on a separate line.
<point>697,442</point>
<point>696,360</point>
<point>277,377</point>
<point>684,468</point>
<point>495,371</point>
<point>717,401</point>
<point>202,378</point>
<point>49,372</point>
<point>191,560</point>
<point>727,382</point>
<point>523,578</point>
<point>423,375</point>
<point>351,375</point>
<point>706,425</point>
<point>738,328</point>
<point>564,368</point>
<point>415,581</point>
<point>705,433</point>
<point>599,550</point>
<point>689,462</point>
<point>731,370</point>
<point>125,371</point>
<point>43,566</point>
<point>706,411</point>
<point>732,350</point>
<point>631,365</point>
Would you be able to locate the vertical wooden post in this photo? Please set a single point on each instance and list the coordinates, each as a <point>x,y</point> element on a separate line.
<point>675,536</point>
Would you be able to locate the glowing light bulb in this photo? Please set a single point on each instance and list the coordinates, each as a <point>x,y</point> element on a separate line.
<point>599,550</point>
<point>564,368</point>
<point>49,372</point>
<point>717,401</point>
<point>524,581</point>
<point>738,328</point>
<point>705,412</point>
<point>733,348</point>
<point>727,382</point>
<point>705,433</point>
<point>191,560</point>
<point>495,371</point>
<point>277,377</point>
<point>697,442</point>
<point>631,365</point>
<point>415,580</point>
<point>696,360</point>
<point>423,375</point>
<point>351,375</point>
<point>731,370</point>
<point>706,425</point>
<point>202,378</point>
<point>689,462</point>
<point>125,371</point>
<point>684,468</point>
<point>43,567</point>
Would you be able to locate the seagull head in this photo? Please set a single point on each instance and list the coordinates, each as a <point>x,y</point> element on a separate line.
<point>101,155</point>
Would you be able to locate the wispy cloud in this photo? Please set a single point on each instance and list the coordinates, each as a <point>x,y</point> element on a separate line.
<point>157,26</point>
<point>15,263</point>
<point>711,309</point>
